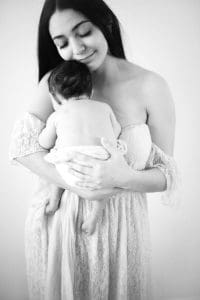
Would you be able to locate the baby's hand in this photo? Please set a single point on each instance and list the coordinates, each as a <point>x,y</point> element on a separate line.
<point>54,201</point>
<point>51,206</point>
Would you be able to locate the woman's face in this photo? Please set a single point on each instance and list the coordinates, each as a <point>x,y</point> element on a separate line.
<point>75,37</point>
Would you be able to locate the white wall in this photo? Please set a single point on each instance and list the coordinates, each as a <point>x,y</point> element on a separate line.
<point>18,28</point>
<point>162,36</point>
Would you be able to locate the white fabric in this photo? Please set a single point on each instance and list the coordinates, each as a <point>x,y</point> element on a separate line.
<point>139,148</point>
<point>113,263</point>
<point>24,137</point>
<point>167,165</point>
<point>58,157</point>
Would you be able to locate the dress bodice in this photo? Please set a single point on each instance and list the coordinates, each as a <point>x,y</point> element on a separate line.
<point>138,140</point>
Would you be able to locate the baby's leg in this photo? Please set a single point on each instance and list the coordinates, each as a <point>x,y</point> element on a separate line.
<point>89,225</point>
<point>54,200</point>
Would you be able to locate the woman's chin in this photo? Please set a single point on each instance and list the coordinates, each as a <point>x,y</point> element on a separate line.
<point>95,65</point>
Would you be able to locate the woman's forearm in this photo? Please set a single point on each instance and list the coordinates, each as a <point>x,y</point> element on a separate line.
<point>35,162</point>
<point>145,181</point>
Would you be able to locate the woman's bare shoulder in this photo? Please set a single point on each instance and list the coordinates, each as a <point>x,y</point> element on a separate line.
<point>133,72</point>
<point>160,109</point>
<point>157,101</point>
<point>155,90</point>
<point>41,105</point>
<point>149,83</point>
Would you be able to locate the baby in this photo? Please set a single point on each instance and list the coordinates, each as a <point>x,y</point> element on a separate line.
<point>78,124</point>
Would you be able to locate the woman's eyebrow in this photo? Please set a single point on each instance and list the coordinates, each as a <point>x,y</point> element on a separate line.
<point>80,23</point>
<point>74,28</point>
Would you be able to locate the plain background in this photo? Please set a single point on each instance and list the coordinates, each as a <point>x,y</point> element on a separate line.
<point>160,35</point>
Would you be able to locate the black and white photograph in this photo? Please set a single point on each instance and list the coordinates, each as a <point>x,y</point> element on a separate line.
<point>100,161</point>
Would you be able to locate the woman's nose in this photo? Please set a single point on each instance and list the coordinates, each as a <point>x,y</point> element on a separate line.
<point>77,47</point>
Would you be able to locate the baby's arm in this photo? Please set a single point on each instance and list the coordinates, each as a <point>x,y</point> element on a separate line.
<point>48,135</point>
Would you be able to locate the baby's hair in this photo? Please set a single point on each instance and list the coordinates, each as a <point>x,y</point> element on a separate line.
<point>70,79</point>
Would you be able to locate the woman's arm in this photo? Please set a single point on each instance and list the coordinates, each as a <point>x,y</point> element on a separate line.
<point>161,122</point>
<point>25,147</point>
<point>35,162</point>
<point>47,137</point>
<point>28,132</point>
<point>41,106</point>
<point>115,172</point>
<point>161,113</point>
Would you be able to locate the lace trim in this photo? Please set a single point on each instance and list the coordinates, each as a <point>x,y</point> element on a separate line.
<point>24,137</point>
<point>167,165</point>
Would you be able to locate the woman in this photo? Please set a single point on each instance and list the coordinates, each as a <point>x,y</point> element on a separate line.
<point>113,263</point>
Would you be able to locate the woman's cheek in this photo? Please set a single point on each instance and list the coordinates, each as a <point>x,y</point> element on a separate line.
<point>65,54</point>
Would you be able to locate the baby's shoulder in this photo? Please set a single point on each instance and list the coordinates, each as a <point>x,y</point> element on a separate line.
<point>102,105</point>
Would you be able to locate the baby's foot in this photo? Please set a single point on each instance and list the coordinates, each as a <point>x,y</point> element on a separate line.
<point>89,225</point>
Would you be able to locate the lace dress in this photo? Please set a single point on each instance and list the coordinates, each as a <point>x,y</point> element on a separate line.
<point>111,264</point>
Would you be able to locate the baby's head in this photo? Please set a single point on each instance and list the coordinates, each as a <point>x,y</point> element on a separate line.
<point>70,79</point>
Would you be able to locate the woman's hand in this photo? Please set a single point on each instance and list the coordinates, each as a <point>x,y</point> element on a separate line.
<point>95,174</point>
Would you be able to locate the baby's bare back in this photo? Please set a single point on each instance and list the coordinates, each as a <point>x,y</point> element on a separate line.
<point>84,122</point>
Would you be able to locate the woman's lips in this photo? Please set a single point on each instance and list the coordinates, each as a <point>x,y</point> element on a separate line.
<point>86,57</point>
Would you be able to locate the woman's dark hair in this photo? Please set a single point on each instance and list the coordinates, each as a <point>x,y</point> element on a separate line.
<point>70,79</point>
<point>96,11</point>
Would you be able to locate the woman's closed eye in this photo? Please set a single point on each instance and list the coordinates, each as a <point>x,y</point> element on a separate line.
<point>65,44</point>
<point>85,34</point>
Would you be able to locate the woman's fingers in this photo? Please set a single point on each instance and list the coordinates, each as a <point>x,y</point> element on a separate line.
<point>79,175</point>
<point>83,158</point>
<point>82,169</point>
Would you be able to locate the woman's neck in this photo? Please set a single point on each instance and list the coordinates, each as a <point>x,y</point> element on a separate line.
<point>107,73</point>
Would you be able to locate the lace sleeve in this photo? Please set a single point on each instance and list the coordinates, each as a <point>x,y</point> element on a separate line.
<point>167,165</point>
<point>24,137</point>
